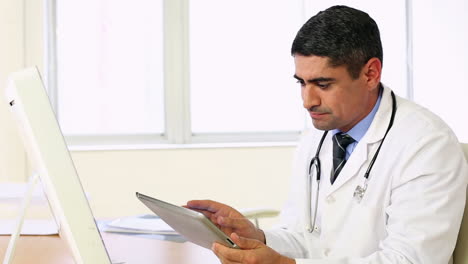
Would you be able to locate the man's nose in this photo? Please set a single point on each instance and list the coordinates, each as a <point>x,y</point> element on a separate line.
<point>309,97</point>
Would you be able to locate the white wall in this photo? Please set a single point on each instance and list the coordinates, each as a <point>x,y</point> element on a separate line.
<point>242,177</point>
<point>12,58</point>
<point>21,45</point>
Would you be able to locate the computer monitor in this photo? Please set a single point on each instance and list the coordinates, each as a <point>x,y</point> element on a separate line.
<point>49,157</point>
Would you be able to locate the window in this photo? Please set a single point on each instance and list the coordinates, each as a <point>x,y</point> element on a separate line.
<point>441,61</point>
<point>241,68</point>
<point>109,67</point>
<point>184,71</point>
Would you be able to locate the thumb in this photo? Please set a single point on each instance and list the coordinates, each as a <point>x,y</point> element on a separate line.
<point>245,243</point>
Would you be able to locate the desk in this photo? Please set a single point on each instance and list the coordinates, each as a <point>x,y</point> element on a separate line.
<point>128,249</point>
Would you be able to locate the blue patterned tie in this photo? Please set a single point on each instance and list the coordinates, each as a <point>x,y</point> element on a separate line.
<point>340,143</point>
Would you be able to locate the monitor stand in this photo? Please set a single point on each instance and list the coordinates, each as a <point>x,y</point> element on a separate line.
<point>9,254</point>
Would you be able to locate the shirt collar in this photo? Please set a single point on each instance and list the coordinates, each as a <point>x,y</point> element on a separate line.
<point>360,129</point>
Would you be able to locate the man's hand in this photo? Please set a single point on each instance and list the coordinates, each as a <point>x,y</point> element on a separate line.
<point>252,252</point>
<point>228,219</point>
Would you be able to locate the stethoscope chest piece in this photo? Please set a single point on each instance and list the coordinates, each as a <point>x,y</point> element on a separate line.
<point>359,192</point>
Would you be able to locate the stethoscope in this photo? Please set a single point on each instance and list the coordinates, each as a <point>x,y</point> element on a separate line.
<point>315,163</point>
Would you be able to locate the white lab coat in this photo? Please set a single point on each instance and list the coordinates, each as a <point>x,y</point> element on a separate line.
<point>413,206</point>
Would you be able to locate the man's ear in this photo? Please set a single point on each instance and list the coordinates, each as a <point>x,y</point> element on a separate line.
<point>372,72</point>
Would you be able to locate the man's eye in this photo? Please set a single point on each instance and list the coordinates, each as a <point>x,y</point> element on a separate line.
<point>302,83</point>
<point>323,85</point>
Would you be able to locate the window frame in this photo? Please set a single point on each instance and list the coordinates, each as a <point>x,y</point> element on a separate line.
<point>176,75</point>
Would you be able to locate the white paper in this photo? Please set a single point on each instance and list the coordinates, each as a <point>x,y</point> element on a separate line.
<point>145,224</point>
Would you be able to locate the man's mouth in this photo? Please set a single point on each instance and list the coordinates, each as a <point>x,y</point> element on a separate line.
<point>316,115</point>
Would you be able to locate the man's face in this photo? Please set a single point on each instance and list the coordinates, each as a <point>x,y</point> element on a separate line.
<point>333,99</point>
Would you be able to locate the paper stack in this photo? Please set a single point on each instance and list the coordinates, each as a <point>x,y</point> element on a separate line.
<point>140,224</point>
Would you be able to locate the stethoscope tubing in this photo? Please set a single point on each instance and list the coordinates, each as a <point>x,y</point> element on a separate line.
<point>311,221</point>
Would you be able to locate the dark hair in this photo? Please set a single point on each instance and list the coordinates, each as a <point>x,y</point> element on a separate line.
<point>345,35</point>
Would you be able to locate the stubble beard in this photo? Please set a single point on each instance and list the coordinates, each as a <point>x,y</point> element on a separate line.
<point>324,125</point>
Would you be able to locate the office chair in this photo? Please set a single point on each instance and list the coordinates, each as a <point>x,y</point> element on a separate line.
<point>460,255</point>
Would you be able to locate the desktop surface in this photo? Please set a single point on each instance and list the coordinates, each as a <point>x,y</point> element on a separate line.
<point>122,249</point>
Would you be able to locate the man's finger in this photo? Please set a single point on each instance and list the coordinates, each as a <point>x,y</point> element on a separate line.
<point>227,255</point>
<point>208,205</point>
<point>235,223</point>
<point>245,243</point>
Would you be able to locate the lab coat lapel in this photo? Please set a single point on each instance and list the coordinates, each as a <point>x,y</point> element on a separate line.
<point>366,147</point>
<point>351,168</point>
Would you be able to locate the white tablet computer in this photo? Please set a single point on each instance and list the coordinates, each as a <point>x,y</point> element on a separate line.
<point>194,226</point>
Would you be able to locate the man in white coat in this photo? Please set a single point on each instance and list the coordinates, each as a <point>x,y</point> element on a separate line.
<point>396,194</point>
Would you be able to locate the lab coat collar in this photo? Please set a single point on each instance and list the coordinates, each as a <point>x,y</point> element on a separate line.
<point>374,135</point>
<point>379,125</point>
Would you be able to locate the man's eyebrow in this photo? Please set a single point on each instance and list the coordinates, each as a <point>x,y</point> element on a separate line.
<point>297,77</point>
<point>316,80</point>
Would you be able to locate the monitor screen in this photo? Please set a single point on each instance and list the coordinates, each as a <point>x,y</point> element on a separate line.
<point>49,157</point>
